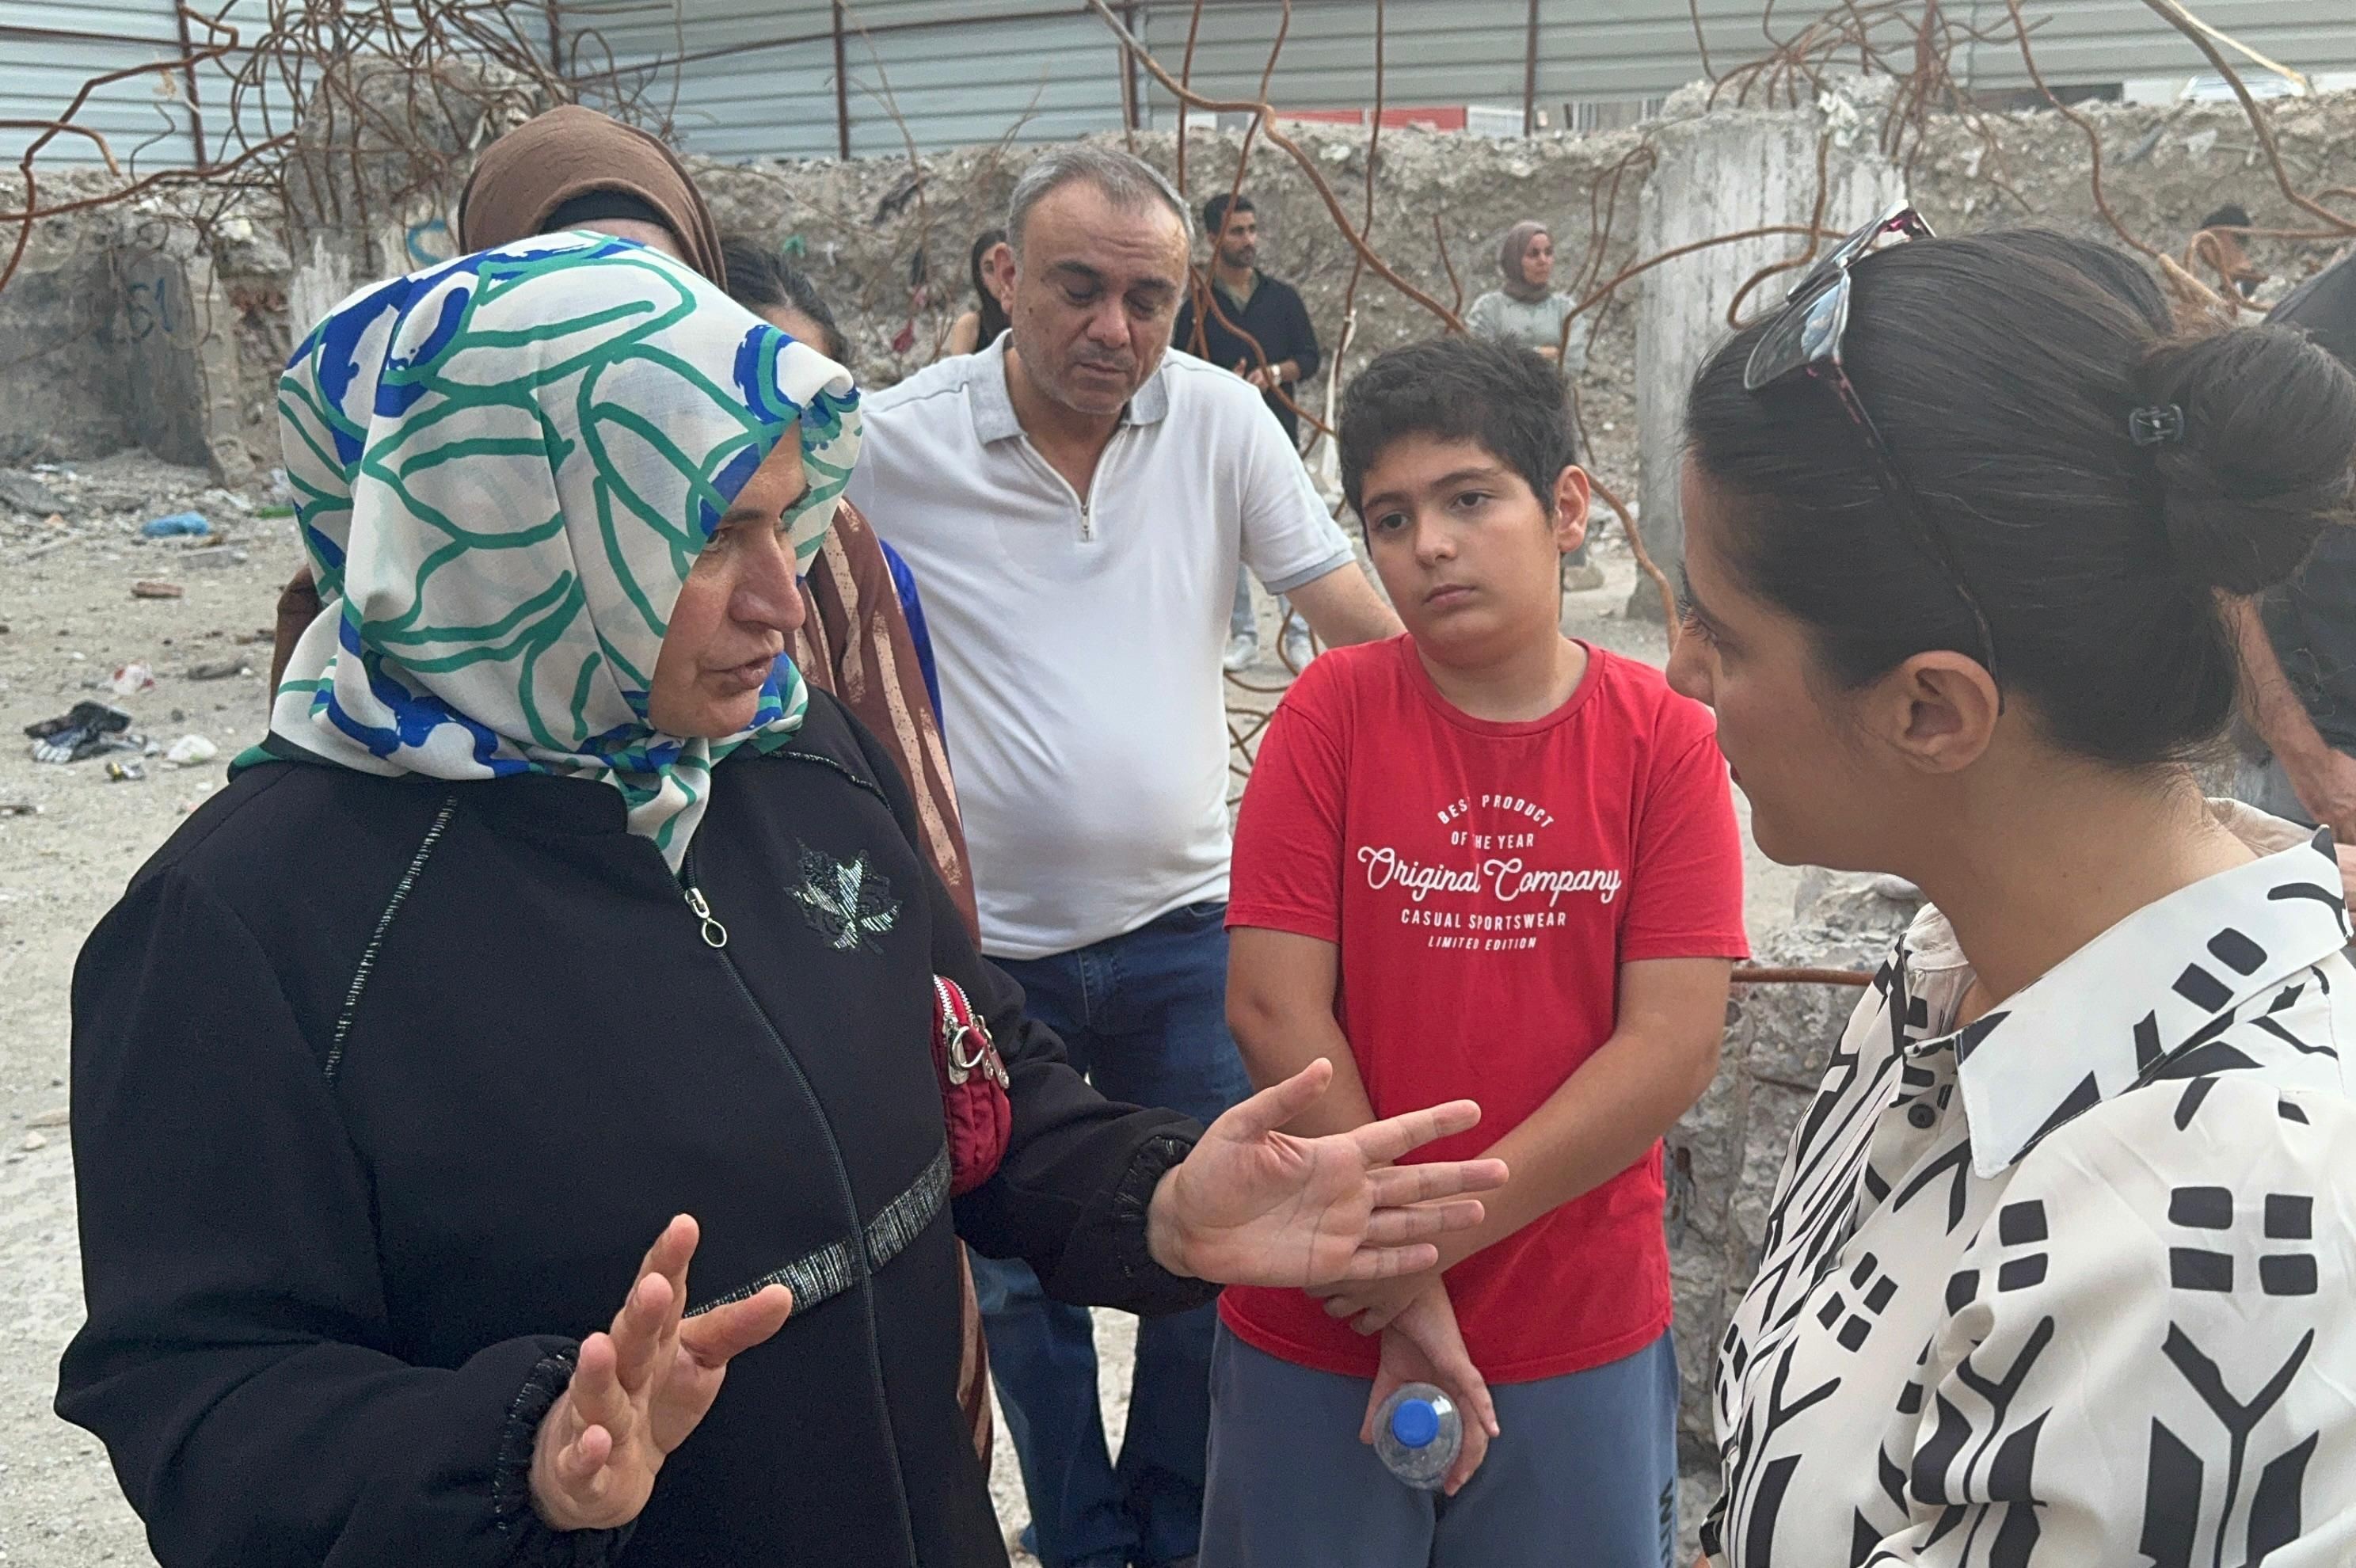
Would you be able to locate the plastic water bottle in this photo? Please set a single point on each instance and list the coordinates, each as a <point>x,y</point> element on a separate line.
<point>1417,1434</point>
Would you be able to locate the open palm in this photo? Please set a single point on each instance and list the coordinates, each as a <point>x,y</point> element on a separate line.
<point>1254,1205</point>
<point>639,1388</point>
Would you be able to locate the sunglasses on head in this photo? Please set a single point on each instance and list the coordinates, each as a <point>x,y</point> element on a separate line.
<point>1804,337</point>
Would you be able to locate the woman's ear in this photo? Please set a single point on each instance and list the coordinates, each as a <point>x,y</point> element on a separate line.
<point>1571,496</point>
<point>1937,712</point>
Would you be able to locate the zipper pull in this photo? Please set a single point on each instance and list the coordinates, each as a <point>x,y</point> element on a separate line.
<point>715,935</point>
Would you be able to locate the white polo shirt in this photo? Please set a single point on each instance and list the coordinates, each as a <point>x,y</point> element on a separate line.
<point>1078,641</point>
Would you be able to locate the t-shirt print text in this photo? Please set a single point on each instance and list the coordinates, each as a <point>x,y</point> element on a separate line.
<point>1506,888</point>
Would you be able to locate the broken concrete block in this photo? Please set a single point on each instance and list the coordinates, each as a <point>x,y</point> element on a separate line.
<point>28,495</point>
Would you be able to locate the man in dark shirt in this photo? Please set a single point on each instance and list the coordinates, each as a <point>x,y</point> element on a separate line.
<point>1261,329</point>
<point>1245,321</point>
<point>2298,644</point>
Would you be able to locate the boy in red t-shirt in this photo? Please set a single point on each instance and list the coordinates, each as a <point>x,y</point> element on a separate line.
<point>1482,859</point>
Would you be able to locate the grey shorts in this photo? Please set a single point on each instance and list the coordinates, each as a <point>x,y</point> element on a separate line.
<point>1584,1475</point>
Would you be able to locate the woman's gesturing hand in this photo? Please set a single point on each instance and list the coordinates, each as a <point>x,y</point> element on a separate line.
<point>639,1389</point>
<point>1256,1206</point>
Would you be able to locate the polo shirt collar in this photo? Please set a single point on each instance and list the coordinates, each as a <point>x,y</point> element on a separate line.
<point>993,409</point>
<point>2141,999</point>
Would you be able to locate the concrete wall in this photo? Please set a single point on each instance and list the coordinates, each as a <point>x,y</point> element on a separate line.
<point>861,227</point>
<point>1725,173</point>
<point>61,343</point>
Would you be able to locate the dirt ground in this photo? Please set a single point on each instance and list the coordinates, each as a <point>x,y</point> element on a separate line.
<point>69,838</point>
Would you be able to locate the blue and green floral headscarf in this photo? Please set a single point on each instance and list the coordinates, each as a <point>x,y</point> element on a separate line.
<point>504,466</point>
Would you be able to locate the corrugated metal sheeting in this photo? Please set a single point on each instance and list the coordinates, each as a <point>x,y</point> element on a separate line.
<point>1474,51</point>
<point>743,79</point>
<point>2116,40</point>
<point>51,50</point>
<point>746,79</point>
<point>157,117</point>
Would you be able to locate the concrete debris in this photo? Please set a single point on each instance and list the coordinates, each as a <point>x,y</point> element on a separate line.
<point>150,590</point>
<point>26,494</point>
<point>191,751</point>
<point>220,669</point>
<point>1724,1154</point>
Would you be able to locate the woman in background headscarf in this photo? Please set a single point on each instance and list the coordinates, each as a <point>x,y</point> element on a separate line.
<point>1525,310</point>
<point>556,909</point>
<point>571,166</point>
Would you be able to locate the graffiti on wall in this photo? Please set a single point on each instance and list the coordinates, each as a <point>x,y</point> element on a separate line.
<point>154,300</point>
<point>429,241</point>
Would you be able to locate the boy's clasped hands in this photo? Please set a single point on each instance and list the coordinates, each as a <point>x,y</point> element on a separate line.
<point>1421,1344</point>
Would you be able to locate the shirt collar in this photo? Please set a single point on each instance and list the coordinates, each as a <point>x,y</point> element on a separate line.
<point>994,408</point>
<point>2169,975</point>
<point>1240,301</point>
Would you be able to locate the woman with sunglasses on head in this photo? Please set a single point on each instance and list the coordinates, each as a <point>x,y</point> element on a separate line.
<point>2054,1270</point>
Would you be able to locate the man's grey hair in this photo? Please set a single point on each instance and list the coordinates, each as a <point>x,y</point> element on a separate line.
<point>1128,182</point>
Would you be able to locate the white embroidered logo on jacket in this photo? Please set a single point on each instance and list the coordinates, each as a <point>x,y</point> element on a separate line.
<point>847,901</point>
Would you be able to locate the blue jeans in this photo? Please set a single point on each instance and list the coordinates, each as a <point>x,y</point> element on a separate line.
<point>1585,1475</point>
<point>1144,1016</point>
<point>1245,621</point>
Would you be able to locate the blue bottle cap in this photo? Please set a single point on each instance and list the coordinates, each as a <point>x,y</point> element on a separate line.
<point>1415,1424</point>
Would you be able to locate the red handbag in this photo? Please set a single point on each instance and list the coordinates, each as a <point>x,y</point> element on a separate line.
<point>979,1117</point>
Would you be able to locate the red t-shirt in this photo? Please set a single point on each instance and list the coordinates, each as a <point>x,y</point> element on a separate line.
<point>1484,883</point>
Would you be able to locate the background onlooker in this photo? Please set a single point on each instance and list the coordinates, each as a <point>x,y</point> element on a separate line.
<point>764,282</point>
<point>1257,326</point>
<point>987,264</point>
<point>759,278</point>
<point>1525,310</point>
<point>2298,641</point>
<point>2218,243</point>
<point>1260,330</point>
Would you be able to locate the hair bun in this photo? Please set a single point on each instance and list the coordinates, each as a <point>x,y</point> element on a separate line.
<point>2267,457</point>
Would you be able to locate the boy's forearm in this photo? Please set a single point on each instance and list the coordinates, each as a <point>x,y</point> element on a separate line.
<point>1275,1047</point>
<point>1602,1118</point>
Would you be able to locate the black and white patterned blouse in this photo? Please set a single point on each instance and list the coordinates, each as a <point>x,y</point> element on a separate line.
<point>2072,1286</point>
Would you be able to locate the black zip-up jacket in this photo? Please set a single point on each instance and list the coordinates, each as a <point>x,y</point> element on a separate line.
<point>382,1088</point>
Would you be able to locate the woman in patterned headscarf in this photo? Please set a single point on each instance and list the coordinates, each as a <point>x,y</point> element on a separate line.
<point>571,912</point>
<point>574,168</point>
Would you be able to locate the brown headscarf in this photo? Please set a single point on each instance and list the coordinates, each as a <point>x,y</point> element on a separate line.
<point>1510,251</point>
<point>524,177</point>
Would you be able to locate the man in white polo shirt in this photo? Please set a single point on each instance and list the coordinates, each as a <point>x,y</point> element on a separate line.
<point>1077,500</point>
